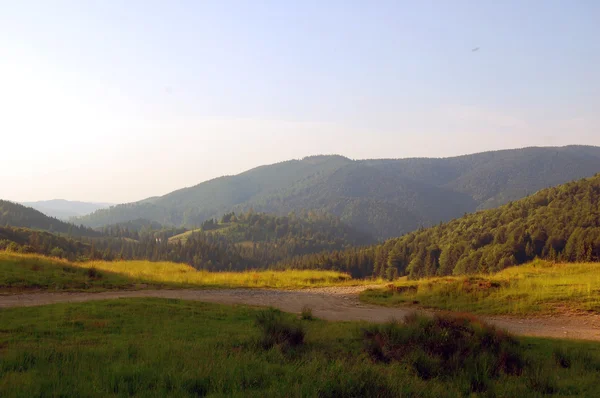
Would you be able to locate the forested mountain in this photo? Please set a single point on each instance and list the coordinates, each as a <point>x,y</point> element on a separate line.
<point>30,241</point>
<point>387,197</point>
<point>16,215</point>
<point>135,228</point>
<point>305,232</point>
<point>561,223</point>
<point>238,241</point>
<point>65,209</point>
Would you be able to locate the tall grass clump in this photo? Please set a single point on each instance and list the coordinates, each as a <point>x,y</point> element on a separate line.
<point>279,329</point>
<point>306,313</point>
<point>446,346</point>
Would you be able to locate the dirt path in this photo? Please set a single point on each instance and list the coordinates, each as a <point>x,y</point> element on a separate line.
<point>335,304</point>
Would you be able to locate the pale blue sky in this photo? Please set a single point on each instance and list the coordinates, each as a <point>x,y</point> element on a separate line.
<point>121,100</point>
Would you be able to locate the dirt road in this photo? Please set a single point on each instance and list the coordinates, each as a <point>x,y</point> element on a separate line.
<point>335,304</point>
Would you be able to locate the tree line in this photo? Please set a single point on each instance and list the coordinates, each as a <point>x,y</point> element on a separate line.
<point>558,224</point>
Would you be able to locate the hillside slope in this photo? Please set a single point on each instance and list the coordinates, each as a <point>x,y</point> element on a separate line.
<point>557,224</point>
<point>387,197</point>
<point>17,215</point>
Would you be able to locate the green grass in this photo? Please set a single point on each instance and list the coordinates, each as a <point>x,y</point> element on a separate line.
<point>537,288</point>
<point>219,229</point>
<point>161,348</point>
<point>20,272</point>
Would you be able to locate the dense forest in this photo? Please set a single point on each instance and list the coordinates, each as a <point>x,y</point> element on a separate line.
<point>558,224</point>
<point>236,242</point>
<point>16,215</point>
<point>386,197</point>
<point>135,229</point>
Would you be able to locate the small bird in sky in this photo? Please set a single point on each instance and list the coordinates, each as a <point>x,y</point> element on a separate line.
<point>475,49</point>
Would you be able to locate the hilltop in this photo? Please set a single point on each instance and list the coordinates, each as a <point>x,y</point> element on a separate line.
<point>385,197</point>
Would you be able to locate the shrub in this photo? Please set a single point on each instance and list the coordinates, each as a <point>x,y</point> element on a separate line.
<point>93,273</point>
<point>306,313</point>
<point>562,358</point>
<point>278,329</point>
<point>446,345</point>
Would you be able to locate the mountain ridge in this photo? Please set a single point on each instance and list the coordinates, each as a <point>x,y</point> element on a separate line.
<point>384,197</point>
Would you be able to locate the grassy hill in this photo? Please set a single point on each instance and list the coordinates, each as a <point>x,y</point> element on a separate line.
<point>23,272</point>
<point>540,287</point>
<point>386,197</point>
<point>557,224</point>
<point>17,215</point>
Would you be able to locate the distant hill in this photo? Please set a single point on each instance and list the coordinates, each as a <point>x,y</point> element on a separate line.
<point>26,240</point>
<point>17,215</point>
<point>386,197</point>
<point>65,209</point>
<point>236,242</point>
<point>297,234</point>
<point>557,224</point>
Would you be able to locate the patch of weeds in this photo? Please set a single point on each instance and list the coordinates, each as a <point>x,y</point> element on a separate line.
<point>93,273</point>
<point>278,329</point>
<point>562,358</point>
<point>446,346</point>
<point>306,313</point>
<point>542,380</point>
<point>197,387</point>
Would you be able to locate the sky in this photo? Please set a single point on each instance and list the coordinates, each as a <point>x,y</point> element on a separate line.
<point>116,101</point>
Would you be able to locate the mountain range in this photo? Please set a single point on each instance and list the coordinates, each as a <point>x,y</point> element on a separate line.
<point>384,197</point>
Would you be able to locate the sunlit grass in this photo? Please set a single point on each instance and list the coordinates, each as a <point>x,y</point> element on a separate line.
<point>166,272</point>
<point>21,271</point>
<point>538,287</point>
<point>219,229</point>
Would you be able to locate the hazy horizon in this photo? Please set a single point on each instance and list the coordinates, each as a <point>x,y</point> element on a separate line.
<point>116,102</point>
<point>268,164</point>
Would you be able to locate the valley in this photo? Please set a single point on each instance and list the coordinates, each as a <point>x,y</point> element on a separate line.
<point>352,277</point>
<point>299,199</point>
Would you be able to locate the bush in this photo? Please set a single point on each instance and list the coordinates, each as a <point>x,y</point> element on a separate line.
<point>93,273</point>
<point>562,358</point>
<point>306,313</point>
<point>278,329</point>
<point>446,345</point>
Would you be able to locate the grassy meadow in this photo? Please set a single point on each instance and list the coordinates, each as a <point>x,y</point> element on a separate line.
<point>219,228</point>
<point>20,272</point>
<point>172,348</point>
<point>540,287</point>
